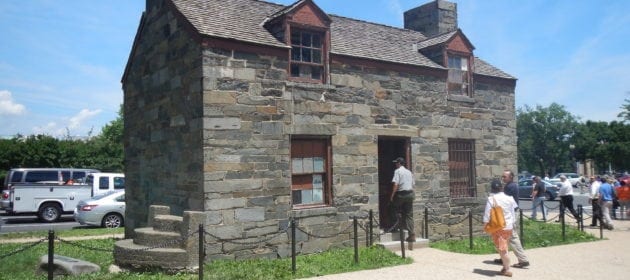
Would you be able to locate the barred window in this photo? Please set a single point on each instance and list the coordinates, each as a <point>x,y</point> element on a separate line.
<point>461,165</point>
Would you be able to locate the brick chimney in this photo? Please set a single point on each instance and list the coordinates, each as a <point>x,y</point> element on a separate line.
<point>433,18</point>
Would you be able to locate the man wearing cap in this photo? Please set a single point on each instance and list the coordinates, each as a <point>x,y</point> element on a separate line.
<point>402,196</point>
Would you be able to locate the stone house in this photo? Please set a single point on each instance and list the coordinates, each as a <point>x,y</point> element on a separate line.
<point>255,112</point>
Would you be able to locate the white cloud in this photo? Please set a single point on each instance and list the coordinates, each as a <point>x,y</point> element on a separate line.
<point>73,126</point>
<point>81,117</point>
<point>8,105</point>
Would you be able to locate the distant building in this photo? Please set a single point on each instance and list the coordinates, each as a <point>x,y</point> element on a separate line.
<point>255,112</point>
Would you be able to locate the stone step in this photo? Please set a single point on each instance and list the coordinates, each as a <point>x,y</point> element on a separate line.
<point>168,223</point>
<point>129,254</point>
<point>391,241</point>
<point>150,237</point>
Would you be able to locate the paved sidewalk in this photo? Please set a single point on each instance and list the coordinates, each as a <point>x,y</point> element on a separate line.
<point>605,259</point>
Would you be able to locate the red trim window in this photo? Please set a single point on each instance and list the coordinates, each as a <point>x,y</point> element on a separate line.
<point>310,171</point>
<point>458,75</point>
<point>307,54</point>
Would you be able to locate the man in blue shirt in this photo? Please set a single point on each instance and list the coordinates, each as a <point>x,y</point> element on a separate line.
<point>606,201</point>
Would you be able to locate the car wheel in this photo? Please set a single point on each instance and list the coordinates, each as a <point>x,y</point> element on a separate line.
<point>49,212</point>
<point>112,220</point>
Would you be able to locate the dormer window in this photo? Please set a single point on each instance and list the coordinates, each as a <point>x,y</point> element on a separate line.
<point>458,75</point>
<point>307,54</point>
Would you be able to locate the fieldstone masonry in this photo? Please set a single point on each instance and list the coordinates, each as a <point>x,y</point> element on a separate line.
<point>208,127</point>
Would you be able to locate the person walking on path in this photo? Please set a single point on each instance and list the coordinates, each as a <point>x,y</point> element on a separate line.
<point>538,196</point>
<point>566,195</point>
<point>594,200</point>
<point>623,195</point>
<point>402,196</point>
<point>511,189</point>
<point>501,237</point>
<point>605,201</point>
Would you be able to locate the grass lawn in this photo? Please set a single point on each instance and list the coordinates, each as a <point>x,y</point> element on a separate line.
<point>535,234</point>
<point>23,264</point>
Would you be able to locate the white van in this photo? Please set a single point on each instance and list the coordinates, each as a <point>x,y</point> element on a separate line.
<point>46,175</point>
<point>103,182</point>
<point>31,176</point>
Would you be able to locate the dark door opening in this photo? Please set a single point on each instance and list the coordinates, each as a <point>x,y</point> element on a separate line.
<point>389,148</point>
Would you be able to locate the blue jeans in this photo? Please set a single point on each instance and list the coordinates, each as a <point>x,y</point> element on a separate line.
<point>538,201</point>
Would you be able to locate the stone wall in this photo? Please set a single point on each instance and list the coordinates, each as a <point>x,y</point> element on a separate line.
<point>163,120</point>
<point>247,182</point>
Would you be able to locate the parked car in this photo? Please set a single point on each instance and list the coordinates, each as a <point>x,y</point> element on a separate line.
<point>105,210</point>
<point>572,177</point>
<point>525,188</point>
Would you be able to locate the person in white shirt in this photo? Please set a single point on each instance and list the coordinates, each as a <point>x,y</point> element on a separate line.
<point>566,195</point>
<point>501,237</point>
<point>402,197</point>
<point>594,200</point>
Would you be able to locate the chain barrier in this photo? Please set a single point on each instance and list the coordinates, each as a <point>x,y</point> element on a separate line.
<point>325,236</point>
<point>75,244</point>
<point>24,248</point>
<point>247,243</point>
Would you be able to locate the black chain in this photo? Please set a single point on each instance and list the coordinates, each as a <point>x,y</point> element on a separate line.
<point>29,246</point>
<point>246,243</point>
<point>75,244</point>
<point>325,236</point>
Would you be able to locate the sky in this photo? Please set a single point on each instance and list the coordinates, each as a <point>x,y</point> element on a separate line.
<point>61,62</point>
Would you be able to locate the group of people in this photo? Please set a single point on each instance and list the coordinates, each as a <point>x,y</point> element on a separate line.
<point>607,194</point>
<point>505,193</point>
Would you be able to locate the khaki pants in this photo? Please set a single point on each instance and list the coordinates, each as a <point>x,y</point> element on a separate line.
<point>515,244</point>
<point>403,204</point>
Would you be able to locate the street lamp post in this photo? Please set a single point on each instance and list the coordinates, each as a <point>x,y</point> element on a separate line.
<point>573,162</point>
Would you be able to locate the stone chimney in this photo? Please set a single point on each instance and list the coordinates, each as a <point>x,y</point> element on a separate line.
<point>433,18</point>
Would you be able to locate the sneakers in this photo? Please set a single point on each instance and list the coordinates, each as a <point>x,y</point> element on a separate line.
<point>521,265</point>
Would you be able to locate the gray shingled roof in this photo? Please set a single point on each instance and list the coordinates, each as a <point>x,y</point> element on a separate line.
<point>243,20</point>
<point>436,40</point>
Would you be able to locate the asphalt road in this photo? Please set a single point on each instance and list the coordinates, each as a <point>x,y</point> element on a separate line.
<point>31,223</point>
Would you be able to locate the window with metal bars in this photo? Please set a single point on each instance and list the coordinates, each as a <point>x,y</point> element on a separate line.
<point>461,165</point>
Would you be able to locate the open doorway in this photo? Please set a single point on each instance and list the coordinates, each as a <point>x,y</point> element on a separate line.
<point>389,148</point>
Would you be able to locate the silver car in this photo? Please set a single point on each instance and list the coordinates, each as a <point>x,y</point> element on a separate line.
<point>105,210</point>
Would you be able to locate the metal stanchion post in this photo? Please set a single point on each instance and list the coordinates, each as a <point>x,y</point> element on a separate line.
<point>562,221</point>
<point>51,254</point>
<point>470,228</point>
<point>401,234</point>
<point>580,220</point>
<point>426,223</point>
<point>371,226</point>
<point>293,266</point>
<point>202,251</point>
<point>356,241</point>
<point>520,213</point>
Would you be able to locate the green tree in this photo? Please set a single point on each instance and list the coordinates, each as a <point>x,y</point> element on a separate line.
<point>544,137</point>
<point>625,114</point>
